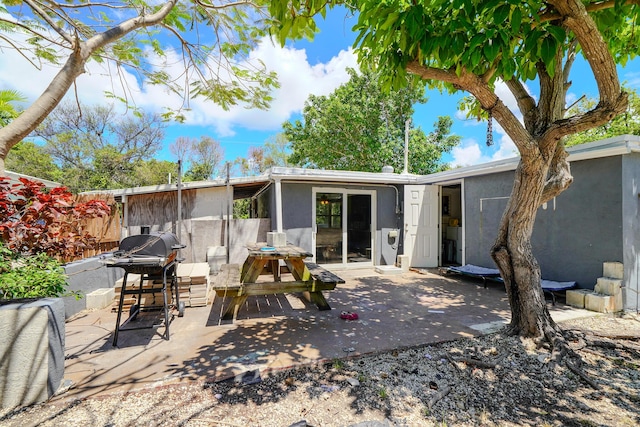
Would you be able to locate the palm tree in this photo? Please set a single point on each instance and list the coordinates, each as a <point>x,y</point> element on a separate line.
<point>8,111</point>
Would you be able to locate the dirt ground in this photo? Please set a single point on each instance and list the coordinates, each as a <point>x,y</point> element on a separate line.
<point>484,381</point>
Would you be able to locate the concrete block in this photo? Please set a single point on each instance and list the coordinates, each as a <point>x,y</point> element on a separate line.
<point>614,270</point>
<point>608,286</point>
<point>403,262</point>
<point>388,270</point>
<point>576,297</point>
<point>599,303</point>
<point>216,256</point>
<point>100,298</point>
<point>276,239</point>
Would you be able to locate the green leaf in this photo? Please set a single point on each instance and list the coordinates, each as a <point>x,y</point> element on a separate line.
<point>476,55</point>
<point>548,49</point>
<point>491,50</point>
<point>516,20</point>
<point>501,13</point>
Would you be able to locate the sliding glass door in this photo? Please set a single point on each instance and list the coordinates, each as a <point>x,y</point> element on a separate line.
<point>344,220</point>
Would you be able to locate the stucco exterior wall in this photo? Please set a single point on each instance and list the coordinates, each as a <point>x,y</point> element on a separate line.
<point>573,235</point>
<point>298,216</point>
<point>631,229</point>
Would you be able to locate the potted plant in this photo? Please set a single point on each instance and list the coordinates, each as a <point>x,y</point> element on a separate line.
<point>40,228</point>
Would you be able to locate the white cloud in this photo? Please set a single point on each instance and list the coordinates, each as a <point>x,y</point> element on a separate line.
<point>468,153</point>
<point>298,79</point>
<point>472,152</point>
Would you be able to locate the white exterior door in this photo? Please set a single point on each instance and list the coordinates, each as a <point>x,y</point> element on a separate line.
<point>421,225</point>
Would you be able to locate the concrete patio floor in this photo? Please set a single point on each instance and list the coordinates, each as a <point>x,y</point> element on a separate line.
<point>277,332</point>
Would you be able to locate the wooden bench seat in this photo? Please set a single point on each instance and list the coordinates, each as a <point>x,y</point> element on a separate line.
<point>320,274</point>
<point>227,282</point>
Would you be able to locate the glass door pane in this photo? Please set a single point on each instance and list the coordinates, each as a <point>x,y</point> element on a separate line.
<point>329,235</point>
<point>359,228</point>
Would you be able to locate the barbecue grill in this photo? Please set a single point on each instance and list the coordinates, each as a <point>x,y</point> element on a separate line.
<point>154,257</point>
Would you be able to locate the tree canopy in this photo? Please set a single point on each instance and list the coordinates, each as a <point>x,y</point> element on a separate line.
<point>275,151</point>
<point>202,156</point>
<point>193,48</point>
<point>361,127</point>
<point>94,147</point>
<point>466,45</point>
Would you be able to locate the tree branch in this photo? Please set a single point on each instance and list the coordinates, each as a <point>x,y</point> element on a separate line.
<point>227,5</point>
<point>559,177</point>
<point>594,47</point>
<point>38,11</point>
<point>30,118</point>
<point>552,15</point>
<point>526,102</point>
<point>487,99</point>
<point>601,114</point>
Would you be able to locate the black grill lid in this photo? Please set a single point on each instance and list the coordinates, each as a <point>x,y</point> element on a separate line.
<point>160,244</point>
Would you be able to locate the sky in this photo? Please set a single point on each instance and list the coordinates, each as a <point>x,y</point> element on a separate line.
<point>304,68</point>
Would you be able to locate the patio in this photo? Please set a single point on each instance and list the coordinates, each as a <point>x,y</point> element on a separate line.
<point>278,332</point>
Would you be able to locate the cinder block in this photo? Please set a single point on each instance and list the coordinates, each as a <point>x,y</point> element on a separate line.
<point>576,297</point>
<point>403,262</point>
<point>614,270</point>
<point>100,298</point>
<point>276,239</point>
<point>608,286</point>
<point>599,303</point>
<point>216,256</point>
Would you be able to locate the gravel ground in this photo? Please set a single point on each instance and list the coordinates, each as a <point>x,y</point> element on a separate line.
<point>493,380</point>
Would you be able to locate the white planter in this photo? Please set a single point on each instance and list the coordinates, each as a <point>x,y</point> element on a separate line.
<point>31,351</point>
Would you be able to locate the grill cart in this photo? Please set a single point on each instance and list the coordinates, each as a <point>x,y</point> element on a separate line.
<point>154,257</point>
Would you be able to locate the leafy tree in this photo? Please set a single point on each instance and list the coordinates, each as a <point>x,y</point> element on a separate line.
<point>155,172</point>
<point>214,39</point>
<point>97,148</point>
<point>361,127</point>
<point>8,110</point>
<point>31,159</point>
<point>205,156</point>
<point>627,123</point>
<point>274,152</point>
<point>470,46</point>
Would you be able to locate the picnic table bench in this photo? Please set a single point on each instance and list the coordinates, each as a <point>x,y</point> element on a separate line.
<point>238,283</point>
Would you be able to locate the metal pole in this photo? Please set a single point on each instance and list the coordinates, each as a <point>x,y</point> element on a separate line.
<point>179,222</point>
<point>229,202</point>
<point>406,146</point>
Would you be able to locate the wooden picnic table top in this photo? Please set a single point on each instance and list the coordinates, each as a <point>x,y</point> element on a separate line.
<point>262,250</point>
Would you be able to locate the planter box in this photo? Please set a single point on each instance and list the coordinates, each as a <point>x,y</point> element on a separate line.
<point>31,351</point>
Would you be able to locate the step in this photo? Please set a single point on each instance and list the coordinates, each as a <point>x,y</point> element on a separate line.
<point>608,286</point>
<point>576,297</point>
<point>600,303</point>
<point>100,298</point>
<point>615,270</point>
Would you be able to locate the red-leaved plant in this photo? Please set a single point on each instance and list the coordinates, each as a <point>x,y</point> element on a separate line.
<point>35,220</point>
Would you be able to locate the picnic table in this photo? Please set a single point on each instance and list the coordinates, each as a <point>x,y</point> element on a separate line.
<point>238,283</point>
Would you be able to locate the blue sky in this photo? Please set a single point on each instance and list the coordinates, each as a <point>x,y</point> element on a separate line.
<point>304,68</point>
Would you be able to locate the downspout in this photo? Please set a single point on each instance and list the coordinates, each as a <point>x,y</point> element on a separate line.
<point>229,202</point>
<point>278,185</point>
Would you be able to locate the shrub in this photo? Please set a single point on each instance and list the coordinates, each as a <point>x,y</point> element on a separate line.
<point>36,220</point>
<point>40,228</point>
<point>31,276</point>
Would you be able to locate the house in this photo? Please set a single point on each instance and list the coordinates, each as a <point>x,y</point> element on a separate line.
<point>356,219</point>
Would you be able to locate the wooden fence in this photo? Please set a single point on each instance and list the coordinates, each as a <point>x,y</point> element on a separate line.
<point>107,229</point>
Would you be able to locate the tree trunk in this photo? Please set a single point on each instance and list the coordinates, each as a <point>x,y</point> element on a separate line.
<point>513,254</point>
